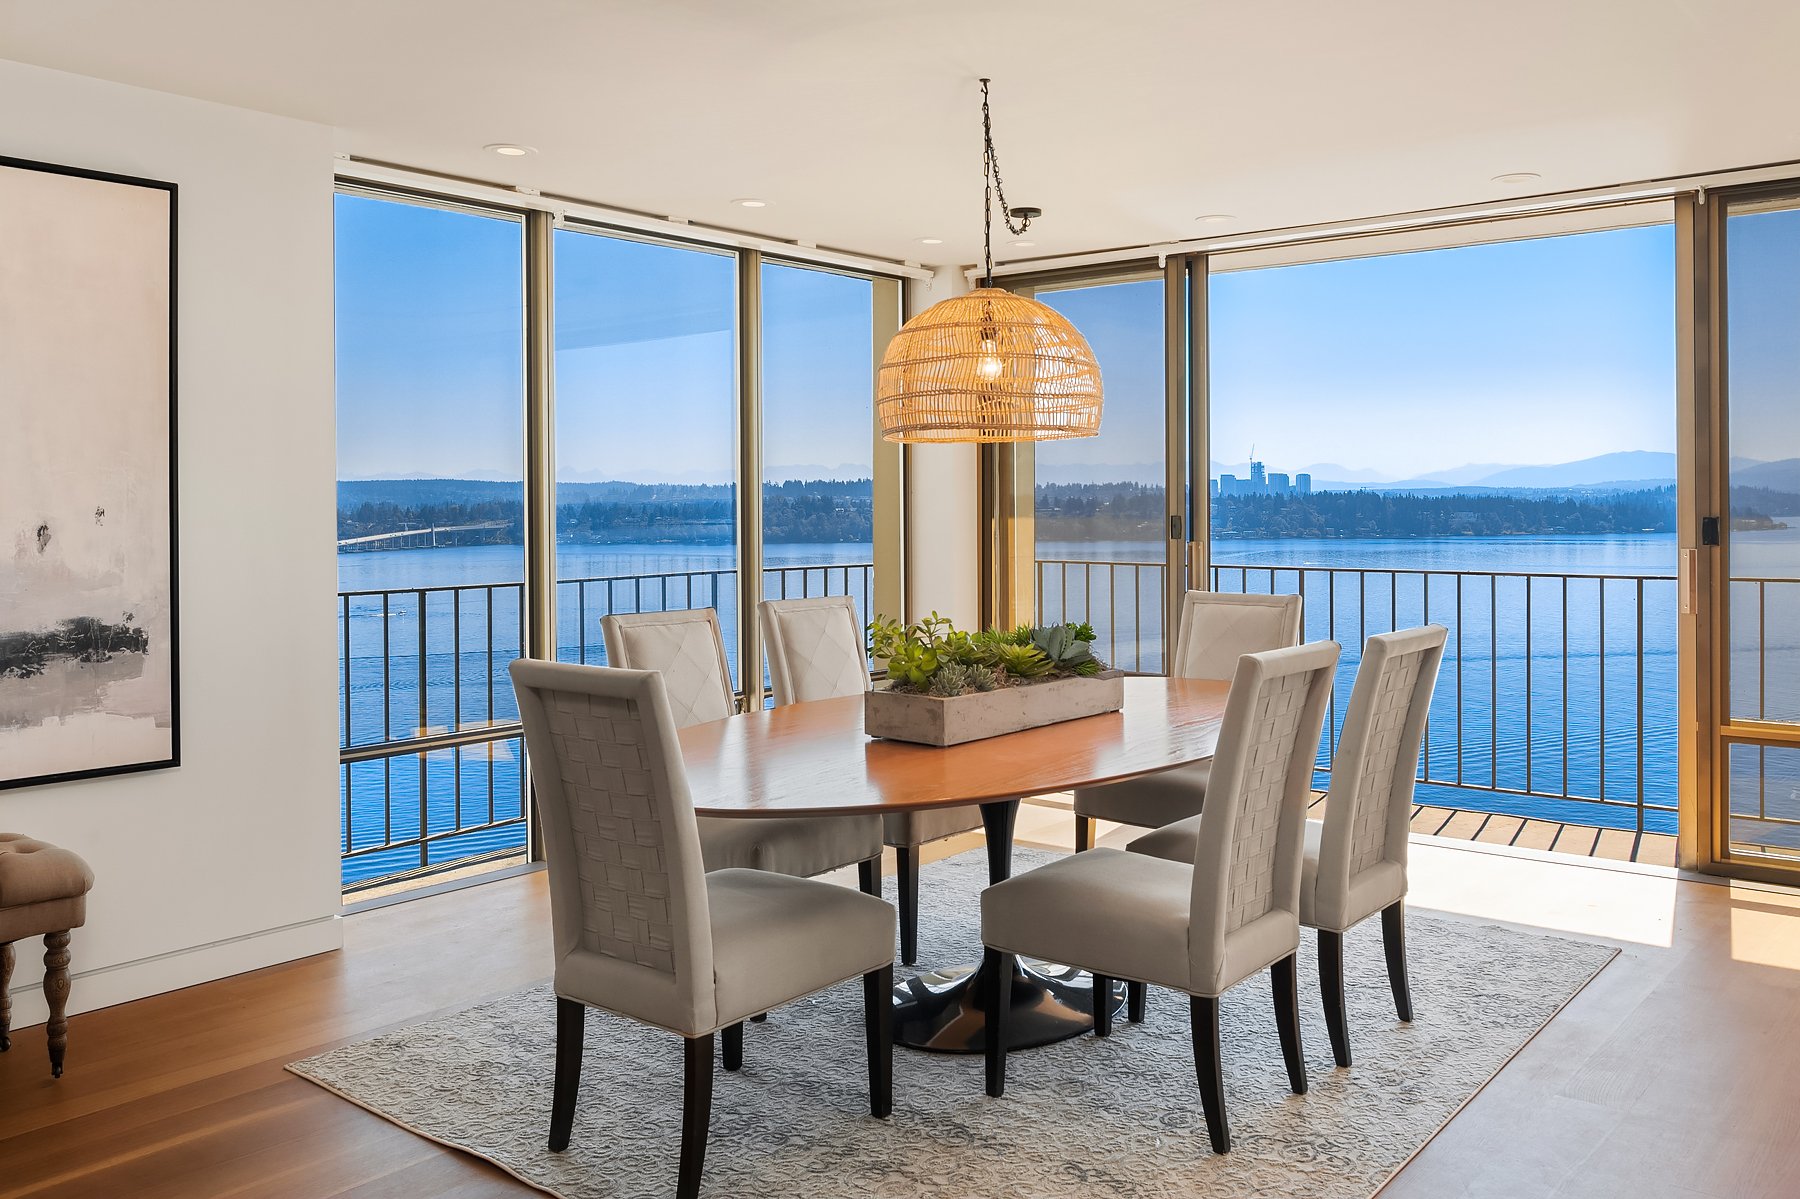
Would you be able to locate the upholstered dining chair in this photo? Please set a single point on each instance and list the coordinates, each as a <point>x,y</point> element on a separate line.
<point>688,650</point>
<point>1215,630</point>
<point>642,929</point>
<point>1201,926</point>
<point>816,651</point>
<point>1355,863</point>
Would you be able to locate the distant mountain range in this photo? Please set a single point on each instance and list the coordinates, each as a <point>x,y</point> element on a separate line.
<point>1625,470</point>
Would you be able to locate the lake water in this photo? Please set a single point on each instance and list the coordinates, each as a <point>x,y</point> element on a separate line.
<point>1531,705</point>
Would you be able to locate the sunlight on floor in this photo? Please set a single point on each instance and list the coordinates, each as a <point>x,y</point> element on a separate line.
<point>1574,897</point>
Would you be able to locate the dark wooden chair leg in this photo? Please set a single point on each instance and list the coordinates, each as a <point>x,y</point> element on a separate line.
<point>571,1022</point>
<point>868,877</point>
<point>1137,997</point>
<point>1331,991</point>
<point>1393,939</point>
<point>1203,1015</point>
<point>906,884</point>
<point>997,822</point>
<point>6,965</point>
<point>731,1045</point>
<point>1102,1005</point>
<point>878,1031</point>
<point>1284,978</point>
<point>696,1114</point>
<point>1084,834</point>
<point>56,991</point>
<point>997,972</point>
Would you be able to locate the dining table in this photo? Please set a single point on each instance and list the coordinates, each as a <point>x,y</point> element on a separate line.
<point>814,759</point>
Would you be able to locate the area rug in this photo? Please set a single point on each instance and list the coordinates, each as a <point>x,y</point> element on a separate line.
<point>1110,1117</point>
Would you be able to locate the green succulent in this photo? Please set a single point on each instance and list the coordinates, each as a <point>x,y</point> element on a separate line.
<point>951,679</point>
<point>1065,649</point>
<point>985,678</point>
<point>1022,661</point>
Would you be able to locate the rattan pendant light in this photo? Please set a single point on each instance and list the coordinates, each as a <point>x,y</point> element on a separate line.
<point>989,365</point>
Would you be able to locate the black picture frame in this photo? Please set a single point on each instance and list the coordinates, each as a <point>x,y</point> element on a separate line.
<point>172,192</point>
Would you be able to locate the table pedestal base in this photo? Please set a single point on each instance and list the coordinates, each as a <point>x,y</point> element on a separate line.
<point>942,1011</point>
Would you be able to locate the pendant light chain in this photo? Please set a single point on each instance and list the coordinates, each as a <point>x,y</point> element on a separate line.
<point>992,183</point>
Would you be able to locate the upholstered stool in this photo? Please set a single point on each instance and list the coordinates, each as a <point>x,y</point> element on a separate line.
<point>43,892</point>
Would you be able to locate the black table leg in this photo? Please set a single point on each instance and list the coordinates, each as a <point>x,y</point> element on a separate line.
<point>943,1011</point>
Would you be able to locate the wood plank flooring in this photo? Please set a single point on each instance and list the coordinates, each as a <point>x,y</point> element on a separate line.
<point>1676,1073</point>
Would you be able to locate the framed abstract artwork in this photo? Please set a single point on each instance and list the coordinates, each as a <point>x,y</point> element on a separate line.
<point>89,670</point>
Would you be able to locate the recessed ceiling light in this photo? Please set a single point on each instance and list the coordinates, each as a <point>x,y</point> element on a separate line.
<point>1024,245</point>
<point>750,202</point>
<point>1214,218</point>
<point>931,241</point>
<point>509,149</point>
<point>1518,177</point>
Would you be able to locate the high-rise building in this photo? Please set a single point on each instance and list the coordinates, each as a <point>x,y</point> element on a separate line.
<point>1303,484</point>
<point>1259,477</point>
<point>1228,484</point>
<point>1278,484</point>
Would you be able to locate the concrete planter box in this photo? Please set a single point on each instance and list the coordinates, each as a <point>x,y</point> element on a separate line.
<point>928,720</point>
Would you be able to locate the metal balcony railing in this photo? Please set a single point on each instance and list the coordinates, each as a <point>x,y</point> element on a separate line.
<point>429,739</point>
<point>1556,699</point>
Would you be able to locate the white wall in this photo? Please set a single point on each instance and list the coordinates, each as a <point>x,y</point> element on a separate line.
<point>230,861</point>
<point>943,516</point>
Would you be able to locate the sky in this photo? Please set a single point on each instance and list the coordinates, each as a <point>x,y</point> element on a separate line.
<point>1539,351</point>
<point>430,362</point>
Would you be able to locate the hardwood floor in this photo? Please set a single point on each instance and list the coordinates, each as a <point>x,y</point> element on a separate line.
<point>1676,1073</point>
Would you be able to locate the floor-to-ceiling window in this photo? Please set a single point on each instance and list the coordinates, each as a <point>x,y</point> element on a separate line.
<point>1101,511</point>
<point>646,434</point>
<point>1480,436</point>
<point>430,313</point>
<point>654,410</point>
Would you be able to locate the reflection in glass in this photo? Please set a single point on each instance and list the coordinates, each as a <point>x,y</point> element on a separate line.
<point>818,421</point>
<point>646,418</point>
<point>1100,510</point>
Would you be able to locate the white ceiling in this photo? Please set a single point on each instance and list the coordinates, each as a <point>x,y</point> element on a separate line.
<point>858,122</point>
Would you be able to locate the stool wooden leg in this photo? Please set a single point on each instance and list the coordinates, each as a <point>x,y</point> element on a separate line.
<point>56,991</point>
<point>6,963</point>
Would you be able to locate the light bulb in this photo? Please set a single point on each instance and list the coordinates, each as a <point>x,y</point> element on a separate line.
<point>989,366</point>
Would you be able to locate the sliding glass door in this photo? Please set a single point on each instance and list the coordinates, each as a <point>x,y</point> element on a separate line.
<point>1101,510</point>
<point>1758,759</point>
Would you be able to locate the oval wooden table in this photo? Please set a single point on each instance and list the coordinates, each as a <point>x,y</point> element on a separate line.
<point>813,759</point>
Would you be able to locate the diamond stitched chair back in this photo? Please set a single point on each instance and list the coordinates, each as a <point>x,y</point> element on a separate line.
<point>1201,926</point>
<point>1216,629</point>
<point>817,651</point>
<point>640,927</point>
<point>816,648</point>
<point>688,650</point>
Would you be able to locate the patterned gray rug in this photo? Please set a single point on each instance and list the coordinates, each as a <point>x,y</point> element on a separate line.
<point>1085,1117</point>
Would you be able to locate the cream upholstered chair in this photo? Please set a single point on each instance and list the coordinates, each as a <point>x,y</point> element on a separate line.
<point>642,929</point>
<point>1200,926</point>
<point>1356,857</point>
<point>687,649</point>
<point>816,651</point>
<point>1216,629</point>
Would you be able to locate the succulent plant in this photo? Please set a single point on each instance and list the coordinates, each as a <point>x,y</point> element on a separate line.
<point>1022,661</point>
<point>985,678</point>
<point>951,679</point>
<point>1065,650</point>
